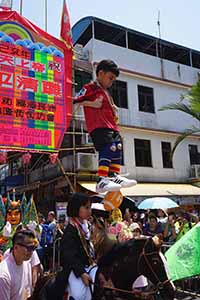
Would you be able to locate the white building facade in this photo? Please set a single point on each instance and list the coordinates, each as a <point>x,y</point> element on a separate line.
<point>148,80</point>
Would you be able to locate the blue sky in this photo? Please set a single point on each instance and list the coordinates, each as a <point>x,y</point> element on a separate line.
<point>180,19</point>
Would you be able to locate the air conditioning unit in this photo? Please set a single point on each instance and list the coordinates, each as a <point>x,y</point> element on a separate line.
<point>195,171</point>
<point>86,139</point>
<point>87,161</point>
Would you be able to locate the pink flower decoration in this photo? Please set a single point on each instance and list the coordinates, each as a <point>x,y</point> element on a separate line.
<point>53,157</point>
<point>126,223</point>
<point>26,158</point>
<point>125,235</point>
<point>3,157</point>
<point>119,227</point>
<point>112,230</point>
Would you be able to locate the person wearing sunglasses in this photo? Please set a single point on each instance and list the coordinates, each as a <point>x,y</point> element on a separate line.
<point>15,269</point>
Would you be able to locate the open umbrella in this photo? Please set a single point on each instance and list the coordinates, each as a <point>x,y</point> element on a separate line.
<point>157,202</point>
<point>128,203</point>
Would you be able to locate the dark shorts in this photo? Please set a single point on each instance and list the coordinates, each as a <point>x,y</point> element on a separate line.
<point>104,136</point>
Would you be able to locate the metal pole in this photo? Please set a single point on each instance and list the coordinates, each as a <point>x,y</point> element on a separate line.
<point>20,8</point>
<point>45,11</point>
<point>74,148</point>
<point>191,60</point>
<point>160,46</point>
<point>65,176</point>
<point>126,36</point>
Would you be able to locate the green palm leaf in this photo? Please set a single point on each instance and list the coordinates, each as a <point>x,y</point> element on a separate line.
<point>182,107</point>
<point>186,133</point>
<point>192,108</point>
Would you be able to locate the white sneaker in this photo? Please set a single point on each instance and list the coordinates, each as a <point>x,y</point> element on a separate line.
<point>107,185</point>
<point>123,181</point>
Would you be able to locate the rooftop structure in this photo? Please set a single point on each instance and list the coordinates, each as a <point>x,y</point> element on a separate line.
<point>102,30</point>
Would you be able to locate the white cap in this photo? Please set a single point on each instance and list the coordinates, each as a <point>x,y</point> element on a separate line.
<point>134,226</point>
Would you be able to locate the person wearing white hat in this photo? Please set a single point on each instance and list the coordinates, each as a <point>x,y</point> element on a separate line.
<point>135,229</point>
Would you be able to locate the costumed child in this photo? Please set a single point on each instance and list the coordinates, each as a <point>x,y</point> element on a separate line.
<point>101,115</point>
<point>77,252</point>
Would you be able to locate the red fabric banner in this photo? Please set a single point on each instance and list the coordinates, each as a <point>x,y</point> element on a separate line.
<point>65,32</point>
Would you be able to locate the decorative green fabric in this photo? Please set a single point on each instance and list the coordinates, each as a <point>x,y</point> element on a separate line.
<point>183,257</point>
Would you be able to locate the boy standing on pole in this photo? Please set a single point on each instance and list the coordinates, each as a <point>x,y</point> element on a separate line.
<point>101,115</point>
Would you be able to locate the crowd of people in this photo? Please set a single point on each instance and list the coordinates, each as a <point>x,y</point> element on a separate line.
<point>31,253</point>
<point>170,226</point>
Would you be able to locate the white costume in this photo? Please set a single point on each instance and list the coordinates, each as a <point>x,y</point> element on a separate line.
<point>77,289</point>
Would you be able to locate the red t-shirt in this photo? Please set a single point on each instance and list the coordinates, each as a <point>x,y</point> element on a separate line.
<point>102,117</point>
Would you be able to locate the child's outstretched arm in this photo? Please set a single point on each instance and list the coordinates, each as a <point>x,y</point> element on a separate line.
<point>97,103</point>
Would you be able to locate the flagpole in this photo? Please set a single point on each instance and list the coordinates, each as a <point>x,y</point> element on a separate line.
<point>62,13</point>
<point>45,26</point>
<point>20,8</point>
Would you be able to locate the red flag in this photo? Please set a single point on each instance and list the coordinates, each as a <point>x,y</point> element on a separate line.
<point>65,32</point>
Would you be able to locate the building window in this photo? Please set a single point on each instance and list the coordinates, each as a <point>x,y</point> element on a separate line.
<point>81,78</point>
<point>119,93</point>
<point>143,153</point>
<point>166,151</point>
<point>194,155</point>
<point>146,99</point>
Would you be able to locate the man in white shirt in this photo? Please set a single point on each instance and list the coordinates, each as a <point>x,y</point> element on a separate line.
<point>35,265</point>
<point>15,270</point>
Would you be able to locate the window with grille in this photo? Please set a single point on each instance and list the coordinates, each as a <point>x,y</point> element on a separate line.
<point>81,78</point>
<point>194,155</point>
<point>146,99</point>
<point>119,93</point>
<point>143,153</point>
<point>166,152</point>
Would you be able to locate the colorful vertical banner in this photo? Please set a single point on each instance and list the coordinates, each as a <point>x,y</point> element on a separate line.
<point>35,86</point>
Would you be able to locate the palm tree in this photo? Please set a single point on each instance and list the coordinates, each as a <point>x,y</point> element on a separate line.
<point>191,107</point>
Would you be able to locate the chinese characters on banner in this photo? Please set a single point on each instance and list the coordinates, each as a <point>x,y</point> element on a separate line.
<point>35,87</point>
